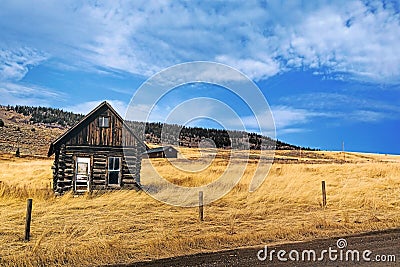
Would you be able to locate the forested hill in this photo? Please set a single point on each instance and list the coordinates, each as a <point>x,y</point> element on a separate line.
<point>192,136</point>
<point>45,115</point>
<point>188,136</point>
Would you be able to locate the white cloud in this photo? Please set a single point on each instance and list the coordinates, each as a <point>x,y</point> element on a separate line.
<point>285,116</point>
<point>15,63</point>
<point>338,37</point>
<point>255,69</point>
<point>284,120</point>
<point>260,39</point>
<point>349,38</point>
<point>289,120</point>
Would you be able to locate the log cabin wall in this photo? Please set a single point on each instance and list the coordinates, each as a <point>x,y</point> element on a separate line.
<point>64,173</point>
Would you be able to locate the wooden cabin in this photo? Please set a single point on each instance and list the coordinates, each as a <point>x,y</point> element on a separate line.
<point>99,152</point>
<point>162,152</point>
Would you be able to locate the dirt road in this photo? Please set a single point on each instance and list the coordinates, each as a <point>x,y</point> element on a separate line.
<point>371,249</point>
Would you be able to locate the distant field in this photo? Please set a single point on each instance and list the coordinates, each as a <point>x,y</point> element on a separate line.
<point>126,226</point>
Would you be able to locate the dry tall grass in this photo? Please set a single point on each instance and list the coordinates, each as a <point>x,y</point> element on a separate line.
<point>128,226</point>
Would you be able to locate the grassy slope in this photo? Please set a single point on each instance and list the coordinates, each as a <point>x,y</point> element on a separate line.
<point>127,226</point>
<point>31,139</point>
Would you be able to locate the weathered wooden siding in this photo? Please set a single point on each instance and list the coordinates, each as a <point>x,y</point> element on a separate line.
<point>93,135</point>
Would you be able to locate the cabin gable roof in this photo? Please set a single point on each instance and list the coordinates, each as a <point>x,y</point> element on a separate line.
<point>89,118</point>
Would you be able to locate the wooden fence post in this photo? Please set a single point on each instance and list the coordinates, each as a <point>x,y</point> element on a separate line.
<point>323,194</point>
<point>28,219</point>
<point>201,218</point>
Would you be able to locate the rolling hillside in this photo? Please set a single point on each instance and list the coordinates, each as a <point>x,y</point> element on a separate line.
<point>19,132</point>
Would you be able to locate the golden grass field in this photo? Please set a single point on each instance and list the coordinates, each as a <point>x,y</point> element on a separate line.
<point>363,194</point>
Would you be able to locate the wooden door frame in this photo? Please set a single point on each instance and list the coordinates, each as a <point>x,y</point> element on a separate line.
<point>90,170</point>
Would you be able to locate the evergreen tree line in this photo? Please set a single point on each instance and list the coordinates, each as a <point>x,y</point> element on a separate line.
<point>176,134</point>
<point>47,115</point>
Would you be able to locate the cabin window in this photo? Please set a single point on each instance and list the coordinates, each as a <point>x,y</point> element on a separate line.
<point>104,122</point>
<point>114,167</point>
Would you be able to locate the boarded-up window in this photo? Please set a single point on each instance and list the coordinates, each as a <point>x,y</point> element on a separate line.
<point>104,122</point>
<point>114,167</point>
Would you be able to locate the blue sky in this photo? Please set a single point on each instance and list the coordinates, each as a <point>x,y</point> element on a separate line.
<point>330,70</point>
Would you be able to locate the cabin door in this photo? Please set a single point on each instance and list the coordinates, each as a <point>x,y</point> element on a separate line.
<point>82,176</point>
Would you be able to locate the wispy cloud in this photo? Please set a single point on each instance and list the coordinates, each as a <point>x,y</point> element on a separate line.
<point>354,38</point>
<point>331,102</point>
<point>293,120</point>
<point>261,39</point>
<point>304,110</point>
<point>15,63</point>
<point>367,116</point>
<point>254,68</point>
<point>26,94</point>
